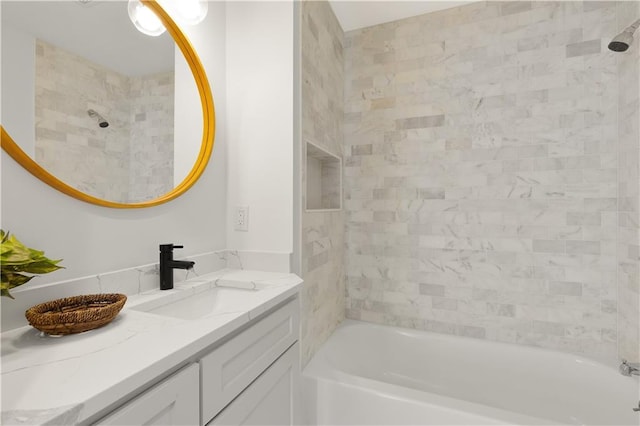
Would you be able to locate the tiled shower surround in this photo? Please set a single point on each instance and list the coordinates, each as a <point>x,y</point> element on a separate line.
<point>151,141</point>
<point>629,194</point>
<point>323,253</point>
<point>132,159</point>
<point>481,174</point>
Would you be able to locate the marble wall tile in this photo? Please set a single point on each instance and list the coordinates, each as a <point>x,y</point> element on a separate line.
<point>257,261</point>
<point>583,48</point>
<point>323,294</point>
<point>151,138</point>
<point>132,158</point>
<point>628,241</point>
<point>484,175</point>
<point>69,143</point>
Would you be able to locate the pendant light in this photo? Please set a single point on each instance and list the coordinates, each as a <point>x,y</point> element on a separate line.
<point>190,12</point>
<point>144,19</point>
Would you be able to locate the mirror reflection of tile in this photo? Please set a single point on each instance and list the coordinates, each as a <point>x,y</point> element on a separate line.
<point>129,160</point>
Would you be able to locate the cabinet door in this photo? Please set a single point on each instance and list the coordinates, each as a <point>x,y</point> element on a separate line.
<point>231,367</point>
<point>272,399</point>
<point>174,401</point>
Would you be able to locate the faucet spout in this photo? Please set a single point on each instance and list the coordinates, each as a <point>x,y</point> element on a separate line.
<point>181,264</point>
<point>629,369</point>
<point>168,264</point>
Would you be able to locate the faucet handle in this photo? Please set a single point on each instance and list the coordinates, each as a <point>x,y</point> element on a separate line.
<point>169,247</point>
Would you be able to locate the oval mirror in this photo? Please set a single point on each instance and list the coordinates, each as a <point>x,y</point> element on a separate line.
<point>98,110</point>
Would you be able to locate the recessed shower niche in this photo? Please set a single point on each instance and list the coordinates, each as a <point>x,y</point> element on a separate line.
<point>324,179</point>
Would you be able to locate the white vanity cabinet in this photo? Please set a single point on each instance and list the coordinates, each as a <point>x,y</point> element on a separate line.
<point>258,366</point>
<point>251,377</point>
<point>223,348</point>
<point>272,399</point>
<point>174,401</point>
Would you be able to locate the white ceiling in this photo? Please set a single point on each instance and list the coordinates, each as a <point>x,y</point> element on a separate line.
<point>100,31</point>
<point>354,14</point>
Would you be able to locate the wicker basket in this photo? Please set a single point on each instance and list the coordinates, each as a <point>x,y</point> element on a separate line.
<point>75,314</point>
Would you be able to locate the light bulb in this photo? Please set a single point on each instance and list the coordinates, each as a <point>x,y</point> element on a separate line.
<point>144,19</point>
<point>190,12</point>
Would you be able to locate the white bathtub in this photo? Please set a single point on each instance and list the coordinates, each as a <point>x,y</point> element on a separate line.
<point>369,374</point>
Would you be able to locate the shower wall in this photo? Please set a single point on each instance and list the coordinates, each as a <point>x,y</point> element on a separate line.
<point>481,174</point>
<point>323,294</point>
<point>69,143</point>
<point>151,139</point>
<point>629,191</point>
<point>132,159</point>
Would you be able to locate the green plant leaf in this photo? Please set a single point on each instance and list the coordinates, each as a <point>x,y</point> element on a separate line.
<point>5,292</point>
<point>16,258</point>
<point>14,280</point>
<point>35,253</point>
<point>11,280</point>
<point>41,267</point>
<point>14,251</point>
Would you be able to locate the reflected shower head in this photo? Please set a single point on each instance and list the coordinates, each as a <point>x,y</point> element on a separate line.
<point>100,119</point>
<point>622,41</point>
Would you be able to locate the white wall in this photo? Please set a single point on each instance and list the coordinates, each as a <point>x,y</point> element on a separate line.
<point>18,87</point>
<point>247,52</point>
<point>94,239</point>
<point>187,126</point>
<point>260,77</point>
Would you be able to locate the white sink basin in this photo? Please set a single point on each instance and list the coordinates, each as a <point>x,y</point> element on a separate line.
<point>190,305</point>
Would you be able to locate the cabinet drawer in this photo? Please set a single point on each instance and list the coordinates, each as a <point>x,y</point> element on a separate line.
<point>171,402</point>
<point>272,399</point>
<point>231,367</point>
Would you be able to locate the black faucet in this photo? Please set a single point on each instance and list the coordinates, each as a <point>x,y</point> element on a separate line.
<point>167,265</point>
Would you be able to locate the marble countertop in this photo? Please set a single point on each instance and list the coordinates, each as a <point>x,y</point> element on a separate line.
<point>71,379</point>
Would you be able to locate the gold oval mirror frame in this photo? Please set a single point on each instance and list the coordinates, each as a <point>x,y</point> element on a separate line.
<point>208,132</point>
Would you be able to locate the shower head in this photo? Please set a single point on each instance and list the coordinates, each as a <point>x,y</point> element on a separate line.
<point>100,119</point>
<point>622,41</point>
